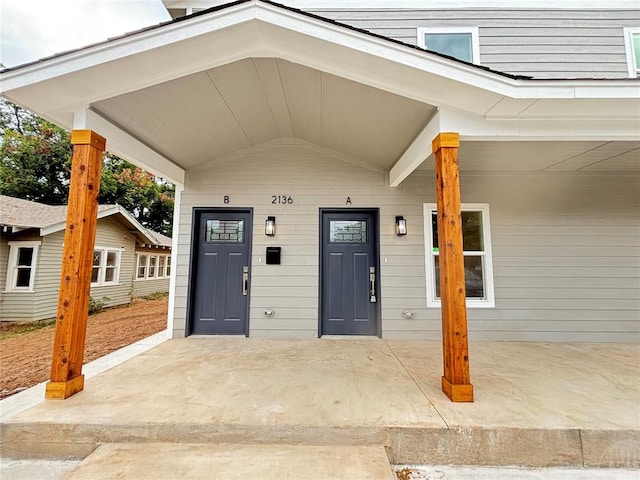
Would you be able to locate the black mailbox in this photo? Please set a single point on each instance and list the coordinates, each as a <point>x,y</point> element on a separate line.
<point>273,255</point>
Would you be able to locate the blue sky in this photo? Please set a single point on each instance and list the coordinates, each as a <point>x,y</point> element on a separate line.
<point>33,29</point>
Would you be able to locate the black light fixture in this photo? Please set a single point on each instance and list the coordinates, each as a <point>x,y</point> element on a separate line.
<point>270,227</point>
<point>401,226</point>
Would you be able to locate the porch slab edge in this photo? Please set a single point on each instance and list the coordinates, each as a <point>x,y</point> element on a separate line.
<point>405,445</point>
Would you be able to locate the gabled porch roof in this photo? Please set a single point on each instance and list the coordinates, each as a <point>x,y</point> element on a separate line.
<point>173,97</point>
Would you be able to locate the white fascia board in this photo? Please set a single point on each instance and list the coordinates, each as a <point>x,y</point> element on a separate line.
<point>107,212</point>
<point>478,128</point>
<point>419,151</point>
<point>118,209</point>
<point>431,64</point>
<point>119,48</point>
<point>122,144</point>
<point>130,58</point>
<point>428,4</point>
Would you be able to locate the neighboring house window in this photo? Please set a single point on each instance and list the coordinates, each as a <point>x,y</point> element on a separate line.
<point>459,42</point>
<point>632,47</point>
<point>106,266</point>
<point>21,269</point>
<point>153,266</point>
<point>142,266</point>
<point>478,265</point>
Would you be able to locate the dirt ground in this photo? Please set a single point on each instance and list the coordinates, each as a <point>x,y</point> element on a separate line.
<point>25,358</point>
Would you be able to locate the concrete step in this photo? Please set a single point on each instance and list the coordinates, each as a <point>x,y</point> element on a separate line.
<point>171,461</point>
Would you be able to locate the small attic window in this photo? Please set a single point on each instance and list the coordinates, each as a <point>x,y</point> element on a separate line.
<point>458,42</point>
<point>632,47</point>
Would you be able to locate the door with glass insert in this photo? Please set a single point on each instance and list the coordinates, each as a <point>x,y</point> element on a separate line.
<point>349,302</point>
<point>221,272</point>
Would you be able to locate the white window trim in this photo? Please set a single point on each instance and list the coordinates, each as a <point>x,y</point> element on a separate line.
<point>103,267</point>
<point>475,38</point>
<point>632,68</point>
<point>156,267</point>
<point>489,301</point>
<point>12,265</point>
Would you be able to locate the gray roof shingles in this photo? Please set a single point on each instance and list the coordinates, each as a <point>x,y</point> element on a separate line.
<point>19,213</point>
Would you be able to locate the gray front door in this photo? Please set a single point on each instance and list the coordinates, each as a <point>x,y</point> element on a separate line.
<point>220,272</point>
<point>349,273</point>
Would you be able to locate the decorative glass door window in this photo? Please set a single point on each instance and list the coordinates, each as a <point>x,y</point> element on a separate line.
<point>224,231</point>
<point>348,231</point>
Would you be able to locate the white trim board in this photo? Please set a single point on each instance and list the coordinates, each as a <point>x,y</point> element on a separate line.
<point>428,4</point>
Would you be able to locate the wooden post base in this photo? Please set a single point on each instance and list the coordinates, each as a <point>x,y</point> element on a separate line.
<point>457,393</point>
<point>62,390</point>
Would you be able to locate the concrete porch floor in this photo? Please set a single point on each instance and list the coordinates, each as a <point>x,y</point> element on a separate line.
<point>537,404</point>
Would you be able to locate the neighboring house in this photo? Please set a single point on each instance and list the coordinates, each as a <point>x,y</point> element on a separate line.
<point>128,260</point>
<point>300,144</point>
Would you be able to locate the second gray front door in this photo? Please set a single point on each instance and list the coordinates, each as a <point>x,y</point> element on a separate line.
<point>220,272</point>
<point>349,273</point>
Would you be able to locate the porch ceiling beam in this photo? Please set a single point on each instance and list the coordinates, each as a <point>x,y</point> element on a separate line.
<point>129,148</point>
<point>416,153</point>
<point>519,127</point>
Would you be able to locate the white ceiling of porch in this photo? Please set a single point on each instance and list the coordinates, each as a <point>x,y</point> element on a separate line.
<point>213,113</point>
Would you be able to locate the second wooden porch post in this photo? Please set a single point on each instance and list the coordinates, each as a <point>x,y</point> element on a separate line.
<point>456,382</point>
<point>77,261</point>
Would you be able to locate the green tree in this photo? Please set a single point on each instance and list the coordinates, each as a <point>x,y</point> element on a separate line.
<point>35,156</point>
<point>35,160</point>
<point>148,198</point>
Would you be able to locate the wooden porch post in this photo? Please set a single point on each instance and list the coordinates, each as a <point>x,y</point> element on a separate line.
<point>77,260</point>
<point>456,382</point>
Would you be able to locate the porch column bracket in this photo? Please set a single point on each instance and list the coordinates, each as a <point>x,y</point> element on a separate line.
<point>77,260</point>
<point>456,382</point>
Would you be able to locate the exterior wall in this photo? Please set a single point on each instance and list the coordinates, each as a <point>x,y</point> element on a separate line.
<point>20,306</point>
<point>112,234</point>
<point>42,302</point>
<point>148,286</point>
<point>557,273</point>
<point>538,43</point>
<point>143,288</point>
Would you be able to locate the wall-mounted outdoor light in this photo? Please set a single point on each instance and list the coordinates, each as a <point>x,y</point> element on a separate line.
<point>270,227</point>
<point>401,226</point>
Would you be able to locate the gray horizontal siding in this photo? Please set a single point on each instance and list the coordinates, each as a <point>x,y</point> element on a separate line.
<point>539,43</point>
<point>566,249</point>
<point>142,288</point>
<point>112,234</point>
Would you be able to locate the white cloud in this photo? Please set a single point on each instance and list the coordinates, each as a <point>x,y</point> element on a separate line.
<point>33,29</point>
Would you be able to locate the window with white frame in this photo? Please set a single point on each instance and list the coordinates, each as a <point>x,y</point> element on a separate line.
<point>476,244</point>
<point>21,271</point>
<point>106,266</point>
<point>152,266</point>
<point>632,48</point>
<point>459,42</point>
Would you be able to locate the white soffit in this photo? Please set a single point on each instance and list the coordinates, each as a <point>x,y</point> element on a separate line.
<point>211,114</point>
<point>189,79</point>
<point>255,29</point>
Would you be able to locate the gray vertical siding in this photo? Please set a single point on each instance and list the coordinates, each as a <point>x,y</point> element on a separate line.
<point>538,43</point>
<point>566,253</point>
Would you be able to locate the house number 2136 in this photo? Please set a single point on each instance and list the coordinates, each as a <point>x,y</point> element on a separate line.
<point>281,199</point>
